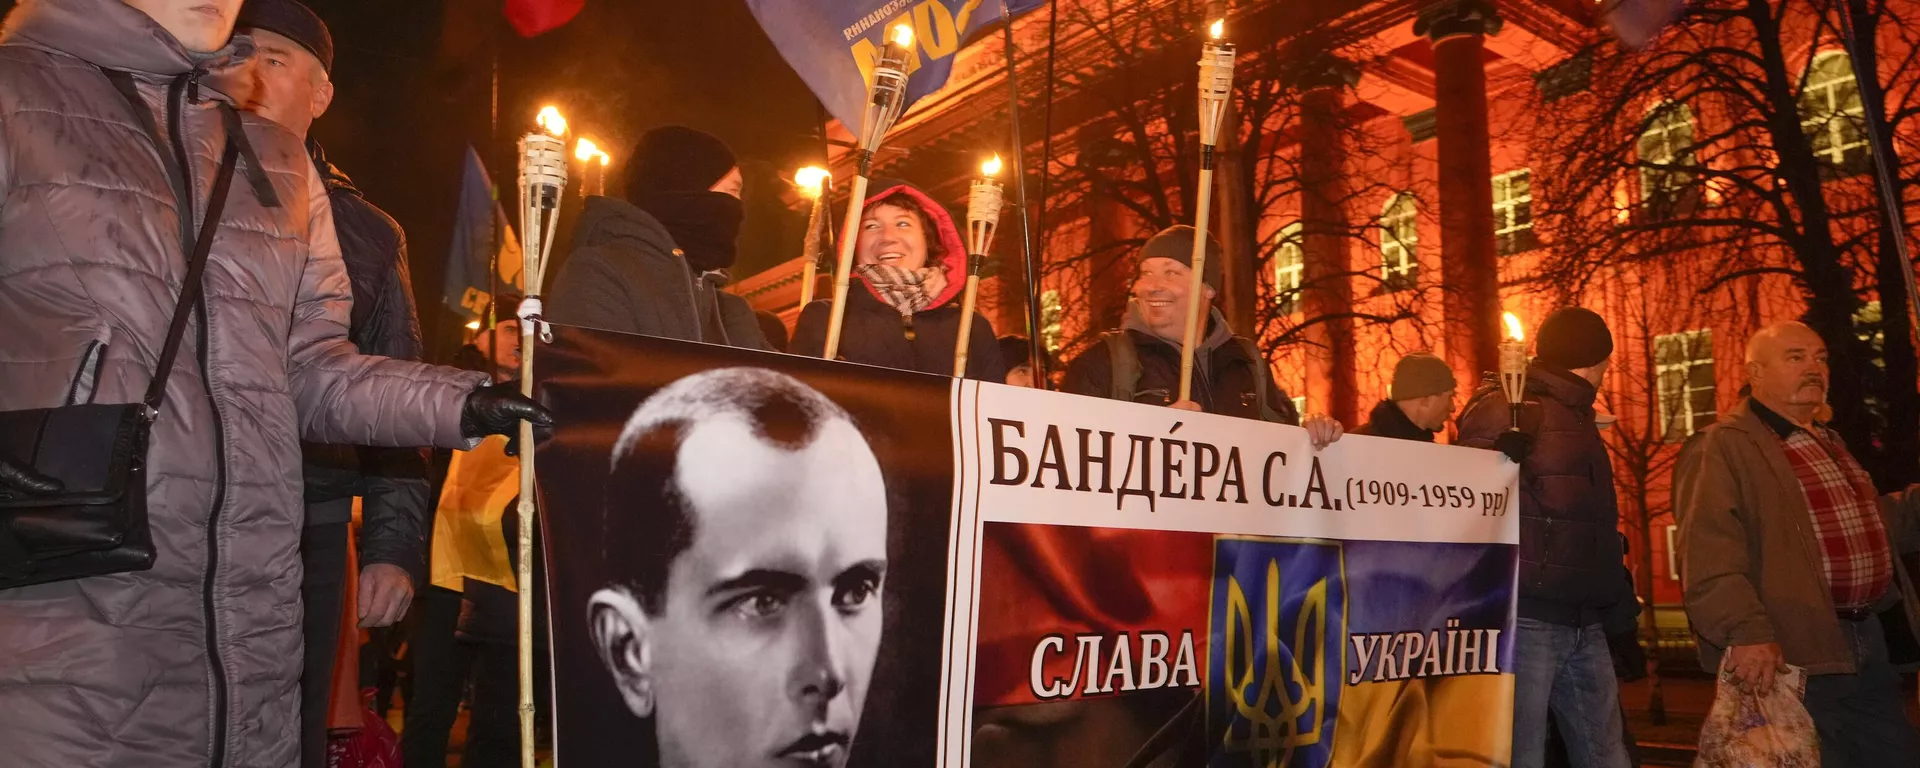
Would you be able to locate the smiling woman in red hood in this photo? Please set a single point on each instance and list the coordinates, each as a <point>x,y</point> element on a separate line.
<point>912,263</point>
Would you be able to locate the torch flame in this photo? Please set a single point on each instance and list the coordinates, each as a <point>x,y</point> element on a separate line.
<point>1217,29</point>
<point>473,326</point>
<point>1514,331</point>
<point>585,149</point>
<point>551,121</point>
<point>991,168</point>
<point>903,35</point>
<point>812,180</point>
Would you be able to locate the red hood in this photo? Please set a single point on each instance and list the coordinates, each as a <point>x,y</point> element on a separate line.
<point>955,261</point>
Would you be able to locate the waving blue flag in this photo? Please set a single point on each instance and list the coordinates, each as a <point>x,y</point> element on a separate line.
<point>833,43</point>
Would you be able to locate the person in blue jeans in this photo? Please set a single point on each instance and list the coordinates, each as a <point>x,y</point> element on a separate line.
<point>1570,554</point>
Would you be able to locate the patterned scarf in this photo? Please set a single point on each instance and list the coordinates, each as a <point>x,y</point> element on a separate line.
<point>907,290</point>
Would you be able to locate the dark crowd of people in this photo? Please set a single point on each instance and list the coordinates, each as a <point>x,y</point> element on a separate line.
<point>300,390</point>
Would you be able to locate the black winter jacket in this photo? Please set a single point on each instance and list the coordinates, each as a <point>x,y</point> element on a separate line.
<point>877,334</point>
<point>1224,376</point>
<point>874,333</point>
<point>1389,421</point>
<point>1570,558</point>
<point>625,274</point>
<point>391,481</point>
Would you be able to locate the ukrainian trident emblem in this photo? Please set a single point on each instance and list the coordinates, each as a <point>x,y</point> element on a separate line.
<point>1277,656</point>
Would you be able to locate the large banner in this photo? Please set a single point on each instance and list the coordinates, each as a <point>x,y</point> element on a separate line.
<point>760,559</point>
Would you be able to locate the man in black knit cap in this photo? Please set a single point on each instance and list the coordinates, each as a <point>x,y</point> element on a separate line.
<point>1570,556</point>
<point>653,263</point>
<point>288,83</point>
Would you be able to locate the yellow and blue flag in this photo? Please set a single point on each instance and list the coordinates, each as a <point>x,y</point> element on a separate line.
<point>834,43</point>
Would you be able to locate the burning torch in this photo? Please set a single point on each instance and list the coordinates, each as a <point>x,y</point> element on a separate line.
<point>984,200</point>
<point>1513,367</point>
<point>813,182</point>
<point>587,152</point>
<point>543,179</point>
<point>1216,86</point>
<point>886,97</point>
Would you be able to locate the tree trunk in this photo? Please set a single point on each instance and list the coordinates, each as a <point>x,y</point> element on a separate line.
<point>1830,294</point>
<point>1239,241</point>
<point>1900,384</point>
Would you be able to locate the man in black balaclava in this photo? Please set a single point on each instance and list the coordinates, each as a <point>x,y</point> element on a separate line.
<point>654,262</point>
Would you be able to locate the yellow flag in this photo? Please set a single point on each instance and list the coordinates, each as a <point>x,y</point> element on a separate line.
<point>467,542</point>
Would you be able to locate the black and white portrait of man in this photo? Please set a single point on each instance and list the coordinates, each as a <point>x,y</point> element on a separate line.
<point>745,620</point>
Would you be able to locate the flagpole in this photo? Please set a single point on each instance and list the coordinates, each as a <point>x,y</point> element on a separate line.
<point>1035,347</point>
<point>886,98</point>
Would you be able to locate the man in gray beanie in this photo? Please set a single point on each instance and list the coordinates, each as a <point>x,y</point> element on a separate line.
<point>1571,591</point>
<point>1141,360</point>
<point>1419,403</point>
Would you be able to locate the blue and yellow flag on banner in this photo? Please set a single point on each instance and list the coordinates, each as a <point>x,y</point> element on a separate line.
<point>833,43</point>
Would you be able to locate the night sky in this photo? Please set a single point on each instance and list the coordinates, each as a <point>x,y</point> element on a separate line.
<point>413,85</point>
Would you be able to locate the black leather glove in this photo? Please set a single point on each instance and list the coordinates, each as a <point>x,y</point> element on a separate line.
<point>1515,444</point>
<point>498,410</point>
<point>20,479</point>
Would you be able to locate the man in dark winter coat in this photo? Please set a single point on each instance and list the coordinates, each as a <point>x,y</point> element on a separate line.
<point>654,262</point>
<point>903,311</point>
<point>1419,403</point>
<point>290,87</point>
<point>1141,360</point>
<point>1570,556</point>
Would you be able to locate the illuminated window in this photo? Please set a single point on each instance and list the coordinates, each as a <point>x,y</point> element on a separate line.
<point>1665,148</point>
<point>1400,242</point>
<point>1513,212</point>
<point>1289,261</point>
<point>1683,371</point>
<point>1833,117</point>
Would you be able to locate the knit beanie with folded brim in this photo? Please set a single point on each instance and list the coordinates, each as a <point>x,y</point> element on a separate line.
<point>1573,338</point>
<point>1421,374</point>
<point>1176,242</point>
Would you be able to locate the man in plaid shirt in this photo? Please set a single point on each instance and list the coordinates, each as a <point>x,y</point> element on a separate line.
<point>1788,555</point>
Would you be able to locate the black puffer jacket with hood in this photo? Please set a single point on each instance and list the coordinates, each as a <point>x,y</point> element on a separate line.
<point>874,333</point>
<point>1570,551</point>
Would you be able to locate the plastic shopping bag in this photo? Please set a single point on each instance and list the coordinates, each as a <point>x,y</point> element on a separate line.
<point>1746,730</point>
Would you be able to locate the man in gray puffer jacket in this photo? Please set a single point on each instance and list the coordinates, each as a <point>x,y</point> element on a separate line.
<point>195,662</point>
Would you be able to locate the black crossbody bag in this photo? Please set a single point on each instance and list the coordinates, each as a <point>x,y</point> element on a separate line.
<point>97,524</point>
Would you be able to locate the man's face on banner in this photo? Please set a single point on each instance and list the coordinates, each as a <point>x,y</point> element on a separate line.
<point>771,619</point>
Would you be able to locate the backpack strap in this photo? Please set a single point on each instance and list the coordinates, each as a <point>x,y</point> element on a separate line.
<point>1125,364</point>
